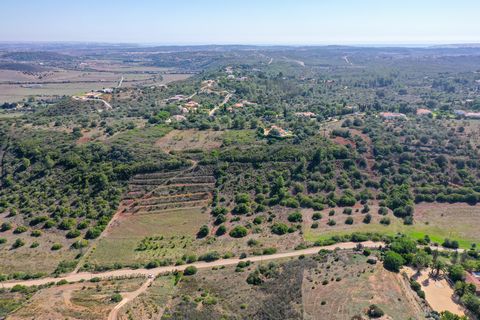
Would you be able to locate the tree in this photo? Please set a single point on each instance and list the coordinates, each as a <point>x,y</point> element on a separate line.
<point>447,315</point>
<point>393,261</point>
<point>279,228</point>
<point>203,232</point>
<point>295,217</point>
<point>190,270</point>
<point>238,232</point>
<point>374,311</point>
<point>456,273</point>
<point>438,265</point>
<point>421,260</point>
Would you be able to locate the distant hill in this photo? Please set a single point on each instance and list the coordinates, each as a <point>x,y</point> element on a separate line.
<point>37,56</point>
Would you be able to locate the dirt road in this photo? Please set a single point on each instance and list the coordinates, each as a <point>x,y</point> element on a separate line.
<point>107,105</point>
<point>225,101</point>
<point>200,265</point>
<point>127,297</point>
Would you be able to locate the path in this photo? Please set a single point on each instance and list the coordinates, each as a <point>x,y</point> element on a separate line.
<point>225,101</point>
<point>127,297</point>
<point>107,105</point>
<point>120,82</point>
<point>200,265</point>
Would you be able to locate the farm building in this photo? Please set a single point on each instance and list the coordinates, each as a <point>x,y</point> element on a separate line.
<point>305,114</point>
<point>191,105</point>
<point>423,112</point>
<point>468,115</point>
<point>392,115</point>
<point>474,278</point>
<point>277,132</point>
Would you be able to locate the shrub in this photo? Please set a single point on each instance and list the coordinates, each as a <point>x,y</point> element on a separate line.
<point>18,243</point>
<point>331,213</point>
<point>267,251</point>
<point>374,311</point>
<point>203,232</point>
<point>238,232</point>
<point>383,211</point>
<point>190,270</point>
<point>20,229</point>
<point>221,230</point>
<point>349,220</point>
<point>316,216</point>
<point>314,225</point>
<point>116,298</point>
<point>210,256</point>
<point>36,233</point>
<point>254,278</point>
<point>385,221</point>
<point>347,211</point>
<point>368,218</point>
<point>3,240</point>
<point>279,228</point>
<point>73,234</point>
<point>56,246</point>
<point>393,261</point>
<point>295,217</point>
<point>5,227</point>
<point>331,222</point>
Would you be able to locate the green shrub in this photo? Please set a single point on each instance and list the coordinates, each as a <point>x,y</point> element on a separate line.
<point>238,232</point>
<point>190,271</point>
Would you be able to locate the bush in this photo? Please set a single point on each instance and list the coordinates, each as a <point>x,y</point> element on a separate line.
<point>36,233</point>
<point>347,211</point>
<point>20,229</point>
<point>368,218</point>
<point>203,232</point>
<point>267,251</point>
<point>210,256</point>
<point>393,261</point>
<point>331,222</point>
<point>73,234</point>
<point>18,243</point>
<point>238,232</point>
<point>349,220</point>
<point>221,230</point>
<point>295,217</point>
<point>375,312</point>
<point>190,271</point>
<point>6,226</point>
<point>383,211</point>
<point>316,216</point>
<point>116,298</point>
<point>314,225</point>
<point>3,240</point>
<point>279,228</point>
<point>254,278</point>
<point>56,246</point>
<point>385,221</point>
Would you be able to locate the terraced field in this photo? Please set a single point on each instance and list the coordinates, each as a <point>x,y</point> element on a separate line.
<point>164,209</point>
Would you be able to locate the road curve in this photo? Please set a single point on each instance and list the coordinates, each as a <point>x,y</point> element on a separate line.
<point>200,265</point>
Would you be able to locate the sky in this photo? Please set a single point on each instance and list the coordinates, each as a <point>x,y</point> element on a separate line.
<point>294,22</point>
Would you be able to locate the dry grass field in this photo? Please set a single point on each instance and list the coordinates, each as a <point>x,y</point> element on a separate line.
<point>454,221</point>
<point>82,301</point>
<point>180,140</point>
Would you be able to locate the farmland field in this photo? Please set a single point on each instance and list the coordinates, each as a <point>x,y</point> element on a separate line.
<point>438,221</point>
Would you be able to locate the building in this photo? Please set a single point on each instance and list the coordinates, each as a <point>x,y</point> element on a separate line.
<point>423,112</point>
<point>191,105</point>
<point>305,114</point>
<point>474,278</point>
<point>277,132</point>
<point>392,115</point>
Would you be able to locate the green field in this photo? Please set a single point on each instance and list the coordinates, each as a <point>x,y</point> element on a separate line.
<point>440,221</point>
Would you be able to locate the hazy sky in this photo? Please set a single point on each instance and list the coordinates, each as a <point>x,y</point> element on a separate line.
<point>242,21</point>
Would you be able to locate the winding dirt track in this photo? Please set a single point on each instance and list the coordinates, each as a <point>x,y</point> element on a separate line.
<point>200,265</point>
<point>127,297</point>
